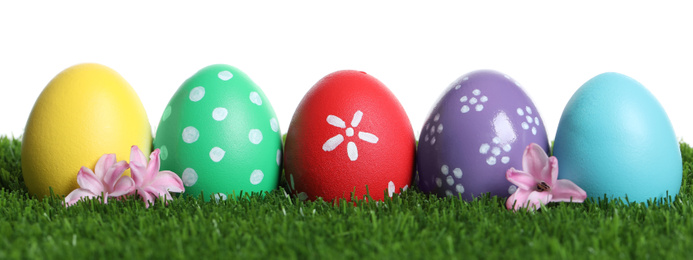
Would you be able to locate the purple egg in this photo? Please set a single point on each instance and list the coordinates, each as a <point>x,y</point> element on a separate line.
<point>477,131</point>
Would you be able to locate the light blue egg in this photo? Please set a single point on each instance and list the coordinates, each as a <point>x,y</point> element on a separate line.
<point>615,139</point>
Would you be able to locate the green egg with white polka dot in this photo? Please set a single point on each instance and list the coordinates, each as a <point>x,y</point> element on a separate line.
<point>220,134</point>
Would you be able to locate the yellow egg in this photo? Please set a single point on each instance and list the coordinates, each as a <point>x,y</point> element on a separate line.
<point>86,111</point>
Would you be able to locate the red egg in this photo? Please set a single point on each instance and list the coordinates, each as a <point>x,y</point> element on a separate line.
<point>349,134</point>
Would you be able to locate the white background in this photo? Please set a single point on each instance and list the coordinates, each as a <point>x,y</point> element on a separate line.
<point>416,49</point>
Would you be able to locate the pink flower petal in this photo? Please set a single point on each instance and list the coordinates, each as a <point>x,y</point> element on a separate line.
<point>553,170</point>
<point>125,185</point>
<point>168,181</point>
<point>113,173</point>
<point>88,181</point>
<point>537,199</point>
<point>156,192</point>
<point>522,180</point>
<point>76,195</point>
<point>167,196</point>
<point>138,165</point>
<point>152,167</point>
<point>146,197</point>
<point>564,190</point>
<point>535,162</point>
<point>518,199</point>
<point>103,164</point>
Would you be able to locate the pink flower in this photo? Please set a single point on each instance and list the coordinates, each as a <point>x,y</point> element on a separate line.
<point>538,184</point>
<point>106,180</point>
<point>150,183</point>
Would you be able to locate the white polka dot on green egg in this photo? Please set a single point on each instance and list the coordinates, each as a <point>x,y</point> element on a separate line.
<point>219,113</point>
<point>167,113</point>
<point>220,134</point>
<point>163,155</point>
<point>216,154</point>
<point>274,125</point>
<point>196,94</point>
<point>225,75</point>
<point>189,177</point>
<point>255,136</point>
<point>255,98</point>
<point>256,177</point>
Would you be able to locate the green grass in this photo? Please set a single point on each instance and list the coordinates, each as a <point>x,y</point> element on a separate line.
<point>413,225</point>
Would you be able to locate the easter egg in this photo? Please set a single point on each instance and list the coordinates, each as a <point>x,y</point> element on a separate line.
<point>219,133</point>
<point>476,132</point>
<point>86,111</point>
<point>349,135</point>
<point>614,139</point>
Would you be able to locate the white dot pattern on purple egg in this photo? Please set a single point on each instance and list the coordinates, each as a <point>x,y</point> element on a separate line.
<point>512,189</point>
<point>457,172</point>
<point>487,118</point>
<point>459,188</point>
<point>496,148</point>
<point>475,102</point>
<point>433,129</point>
<point>458,86</point>
<point>448,180</point>
<point>520,112</point>
<point>528,120</point>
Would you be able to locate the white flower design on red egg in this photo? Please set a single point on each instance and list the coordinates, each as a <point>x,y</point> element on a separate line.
<point>336,140</point>
<point>391,189</point>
